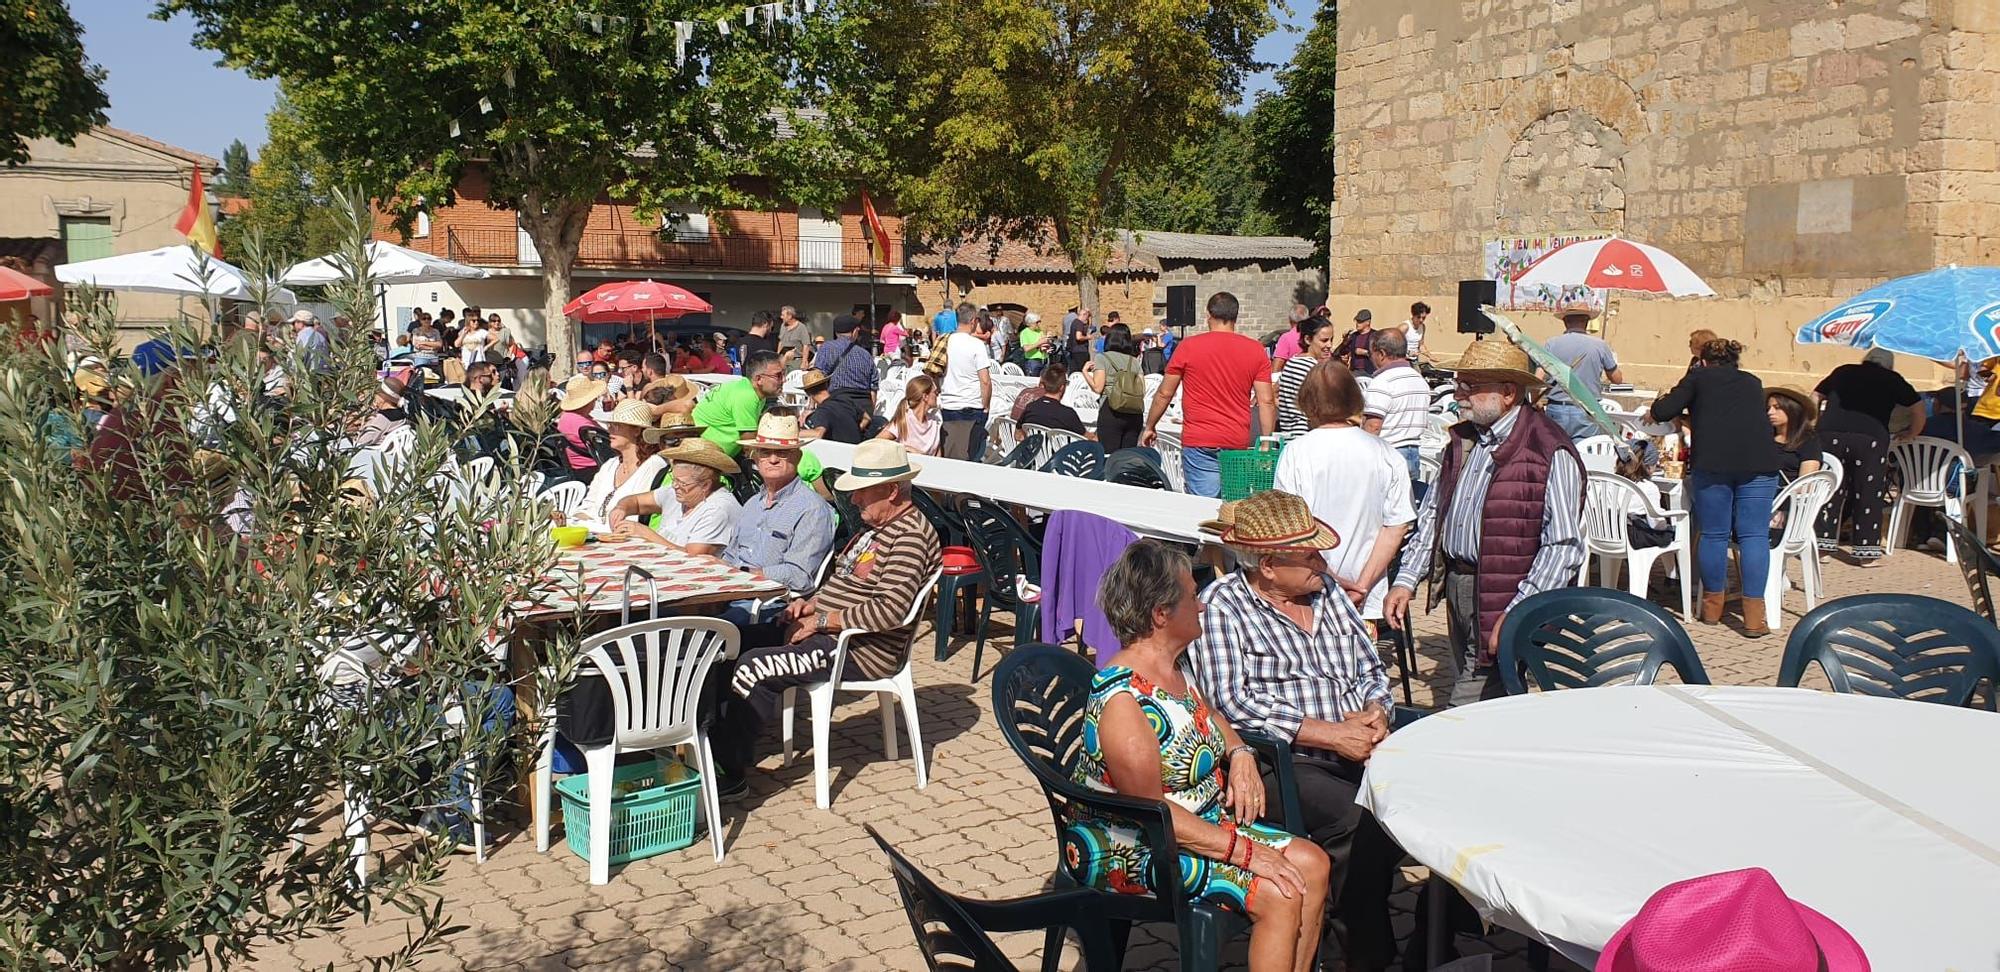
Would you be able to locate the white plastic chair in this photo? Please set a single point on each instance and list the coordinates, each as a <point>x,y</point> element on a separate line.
<point>1168,444</point>
<point>655,671</point>
<point>1927,466</point>
<point>1801,500</point>
<point>1610,498</point>
<point>1599,452</point>
<point>900,686</point>
<point>565,498</point>
<point>1052,441</point>
<point>1833,466</point>
<point>1004,436</point>
<point>1010,368</point>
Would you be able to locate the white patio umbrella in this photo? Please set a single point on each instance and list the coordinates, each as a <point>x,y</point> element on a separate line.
<point>1614,263</point>
<point>176,270</point>
<point>387,264</point>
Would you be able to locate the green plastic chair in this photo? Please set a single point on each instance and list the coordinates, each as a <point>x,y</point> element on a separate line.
<point>1585,637</point>
<point>1900,646</point>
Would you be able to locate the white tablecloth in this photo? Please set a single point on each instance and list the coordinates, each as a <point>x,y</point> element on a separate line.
<point>1149,512</point>
<point>1560,813</point>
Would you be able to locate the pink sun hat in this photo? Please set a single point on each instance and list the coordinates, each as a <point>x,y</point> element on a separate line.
<point>1738,921</point>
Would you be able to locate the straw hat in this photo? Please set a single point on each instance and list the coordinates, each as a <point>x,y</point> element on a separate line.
<point>1576,309</point>
<point>303,316</point>
<point>702,452</point>
<point>676,386</point>
<point>812,380</point>
<point>91,383</point>
<point>1733,920</point>
<point>580,391</point>
<point>776,430</point>
<point>1224,516</point>
<point>1806,403</point>
<point>1497,361</point>
<point>875,462</point>
<point>632,411</point>
<point>1277,521</point>
<point>675,427</point>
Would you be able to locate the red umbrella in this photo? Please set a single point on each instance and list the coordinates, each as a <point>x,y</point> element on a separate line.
<point>634,301</point>
<point>15,285</point>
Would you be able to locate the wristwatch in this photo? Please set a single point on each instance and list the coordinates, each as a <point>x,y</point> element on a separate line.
<point>819,621</point>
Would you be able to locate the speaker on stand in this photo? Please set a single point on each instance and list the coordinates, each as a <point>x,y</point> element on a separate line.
<point>1473,294</point>
<point>1180,306</point>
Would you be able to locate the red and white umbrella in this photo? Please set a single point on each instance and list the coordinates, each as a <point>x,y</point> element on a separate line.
<point>15,285</point>
<point>1614,264</point>
<point>634,302</point>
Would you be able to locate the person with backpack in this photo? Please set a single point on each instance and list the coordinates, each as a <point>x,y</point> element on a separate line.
<point>1115,373</point>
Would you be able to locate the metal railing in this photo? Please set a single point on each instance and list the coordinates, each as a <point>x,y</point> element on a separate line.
<point>641,249</point>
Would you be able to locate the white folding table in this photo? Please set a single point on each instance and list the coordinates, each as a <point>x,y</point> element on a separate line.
<point>1559,813</point>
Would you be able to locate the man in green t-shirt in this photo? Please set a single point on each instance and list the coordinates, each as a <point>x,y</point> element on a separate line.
<point>1031,343</point>
<point>731,410</point>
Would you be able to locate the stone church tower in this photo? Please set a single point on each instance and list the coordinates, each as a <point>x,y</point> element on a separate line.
<point>1793,152</point>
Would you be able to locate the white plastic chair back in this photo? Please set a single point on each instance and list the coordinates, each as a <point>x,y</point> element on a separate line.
<point>793,399</point>
<point>480,476</point>
<point>655,671</point>
<point>1608,500</point>
<point>1833,466</point>
<point>1001,429</point>
<point>1169,446</point>
<point>1010,368</point>
<point>917,606</point>
<point>1152,385</point>
<point>1926,466</point>
<point>1599,452</point>
<point>1078,394</point>
<point>565,498</point>
<point>1802,500</point>
<point>795,383</point>
<point>1052,441</point>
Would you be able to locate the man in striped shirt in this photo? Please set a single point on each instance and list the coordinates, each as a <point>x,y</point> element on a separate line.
<point>872,587</point>
<point>1285,653</point>
<point>1503,521</point>
<point>1397,403</point>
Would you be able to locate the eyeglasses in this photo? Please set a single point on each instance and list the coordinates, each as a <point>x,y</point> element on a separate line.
<point>1469,387</point>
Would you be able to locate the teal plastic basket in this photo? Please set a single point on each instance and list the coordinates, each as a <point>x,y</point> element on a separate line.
<point>649,815</point>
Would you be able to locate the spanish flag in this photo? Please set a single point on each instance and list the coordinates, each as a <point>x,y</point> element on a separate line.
<point>878,238</point>
<point>196,222</point>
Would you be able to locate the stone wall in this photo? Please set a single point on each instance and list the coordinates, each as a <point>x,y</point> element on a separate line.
<point>1265,289</point>
<point>1047,294</point>
<point>1793,152</point>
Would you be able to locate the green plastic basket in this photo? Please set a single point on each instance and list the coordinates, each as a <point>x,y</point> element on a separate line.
<point>1246,471</point>
<point>648,814</point>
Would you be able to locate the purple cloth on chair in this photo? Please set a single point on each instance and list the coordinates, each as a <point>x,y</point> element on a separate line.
<point>1076,551</point>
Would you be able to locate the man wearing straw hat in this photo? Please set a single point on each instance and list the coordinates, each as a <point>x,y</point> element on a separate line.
<point>1593,362</point>
<point>872,587</point>
<point>1503,520</point>
<point>786,529</point>
<point>1284,652</point>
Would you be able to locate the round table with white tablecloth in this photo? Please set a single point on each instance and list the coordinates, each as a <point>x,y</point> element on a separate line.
<point>1559,813</point>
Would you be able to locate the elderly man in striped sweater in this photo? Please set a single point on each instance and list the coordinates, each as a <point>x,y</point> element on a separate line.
<point>873,583</point>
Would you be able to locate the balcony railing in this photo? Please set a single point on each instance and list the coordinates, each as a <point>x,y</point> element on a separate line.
<point>646,250</point>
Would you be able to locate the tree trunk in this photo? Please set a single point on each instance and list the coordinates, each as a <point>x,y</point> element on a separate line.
<point>1086,294</point>
<point>557,231</point>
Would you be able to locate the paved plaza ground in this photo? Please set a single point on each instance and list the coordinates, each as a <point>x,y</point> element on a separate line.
<point>806,889</point>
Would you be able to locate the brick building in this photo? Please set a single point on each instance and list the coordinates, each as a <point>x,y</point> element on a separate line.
<point>1793,152</point>
<point>1268,274</point>
<point>740,261</point>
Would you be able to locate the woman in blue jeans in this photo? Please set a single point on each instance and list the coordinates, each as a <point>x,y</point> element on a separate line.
<point>1734,471</point>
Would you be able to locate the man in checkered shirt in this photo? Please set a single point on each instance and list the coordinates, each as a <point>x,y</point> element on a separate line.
<point>1284,652</point>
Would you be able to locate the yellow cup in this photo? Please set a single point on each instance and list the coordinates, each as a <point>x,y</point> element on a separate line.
<point>569,536</point>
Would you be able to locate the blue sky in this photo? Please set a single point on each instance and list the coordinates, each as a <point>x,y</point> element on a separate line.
<point>163,87</point>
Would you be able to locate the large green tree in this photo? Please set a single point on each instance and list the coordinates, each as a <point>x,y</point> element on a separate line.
<point>48,87</point>
<point>235,169</point>
<point>1292,131</point>
<point>1205,186</point>
<point>1025,113</point>
<point>292,193</point>
<point>561,102</point>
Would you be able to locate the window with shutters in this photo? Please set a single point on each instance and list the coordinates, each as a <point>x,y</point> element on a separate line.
<point>86,237</point>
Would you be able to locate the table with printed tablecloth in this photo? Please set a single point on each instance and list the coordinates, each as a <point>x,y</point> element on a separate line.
<point>682,579</point>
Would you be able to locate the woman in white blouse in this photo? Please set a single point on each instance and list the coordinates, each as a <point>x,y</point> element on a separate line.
<point>695,513</point>
<point>632,471</point>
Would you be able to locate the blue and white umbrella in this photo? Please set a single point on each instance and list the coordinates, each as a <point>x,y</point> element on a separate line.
<point>1941,315</point>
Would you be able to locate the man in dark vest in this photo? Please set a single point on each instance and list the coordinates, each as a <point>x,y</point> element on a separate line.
<point>1504,519</point>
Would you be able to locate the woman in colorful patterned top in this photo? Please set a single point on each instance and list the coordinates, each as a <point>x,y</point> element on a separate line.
<point>1147,734</point>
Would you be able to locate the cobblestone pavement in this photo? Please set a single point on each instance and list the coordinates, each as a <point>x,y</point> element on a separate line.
<point>804,888</point>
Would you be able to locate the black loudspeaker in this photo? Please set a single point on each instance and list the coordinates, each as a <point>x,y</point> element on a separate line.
<point>1472,294</point>
<point>1180,306</point>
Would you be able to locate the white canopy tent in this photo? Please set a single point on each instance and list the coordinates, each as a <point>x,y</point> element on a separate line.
<point>387,264</point>
<point>177,270</point>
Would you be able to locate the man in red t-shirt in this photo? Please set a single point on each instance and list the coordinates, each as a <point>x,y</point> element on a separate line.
<point>1222,370</point>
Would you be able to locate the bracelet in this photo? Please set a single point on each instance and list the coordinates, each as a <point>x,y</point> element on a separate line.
<point>1246,854</point>
<point>1229,856</point>
<point>1239,748</point>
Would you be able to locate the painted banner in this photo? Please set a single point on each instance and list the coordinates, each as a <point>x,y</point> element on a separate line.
<point>1506,257</point>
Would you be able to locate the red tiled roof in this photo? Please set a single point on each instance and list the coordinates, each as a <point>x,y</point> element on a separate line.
<point>233,205</point>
